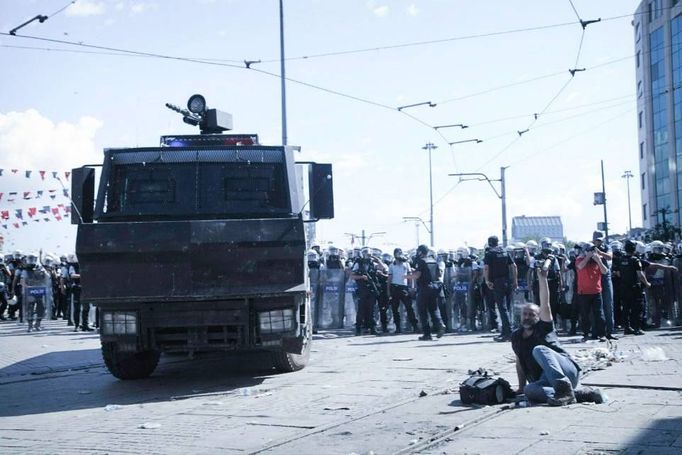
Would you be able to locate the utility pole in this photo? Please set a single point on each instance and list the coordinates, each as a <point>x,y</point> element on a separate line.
<point>429,146</point>
<point>502,195</point>
<point>603,189</point>
<point>627,176</point>
<point>282,73</point>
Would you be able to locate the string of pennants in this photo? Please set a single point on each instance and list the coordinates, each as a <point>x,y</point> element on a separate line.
<point>28,174</point>
<point>21,217</point>
<point>14,196</point>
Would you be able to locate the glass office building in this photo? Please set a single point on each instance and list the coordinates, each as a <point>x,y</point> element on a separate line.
<point>658,60</point>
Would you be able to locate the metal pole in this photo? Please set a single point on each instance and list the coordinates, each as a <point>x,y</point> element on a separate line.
<point>429,146</point>
<point>363,237</point>
<point>503,196</point>
<point>416,225</point>
<point>603,189</point>
<point>282,72</point>
<point>627,176</point>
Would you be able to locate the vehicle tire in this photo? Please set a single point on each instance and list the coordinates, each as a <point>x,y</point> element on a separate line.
<point>129,365</point>
<point>285,362</point>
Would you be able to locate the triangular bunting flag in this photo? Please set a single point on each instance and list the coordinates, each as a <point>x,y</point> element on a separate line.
<point>28,174</point>
<point>39,193</point>
<point>55,210</point>
<point>27,195</point>
<point>16,225</point>
<point>5,214</point>
<point>25,223</point>
<point>18,214</point>
<point>42,175</point>
<point>1,171</point>
<point>54,174</point>
<point>67,174</point>
<point>32,211</point>
<point>14,171</point>
<point>66,192</point>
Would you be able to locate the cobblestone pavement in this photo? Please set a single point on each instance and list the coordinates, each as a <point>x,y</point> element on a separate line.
<point>358,395</point>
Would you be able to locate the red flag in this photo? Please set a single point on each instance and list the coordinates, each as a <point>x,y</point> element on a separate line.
<point>32,211</point>
<point>16,225</point>
<point>55,210</point>
<point>42,175</point>
<point>5,214</point>
<point>67,174</point>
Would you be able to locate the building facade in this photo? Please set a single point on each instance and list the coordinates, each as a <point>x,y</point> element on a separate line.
<point>536,227</point>
<point>658,61</point>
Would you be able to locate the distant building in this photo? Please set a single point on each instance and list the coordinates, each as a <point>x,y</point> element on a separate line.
<point>657,26</point>
<point>537,227</point>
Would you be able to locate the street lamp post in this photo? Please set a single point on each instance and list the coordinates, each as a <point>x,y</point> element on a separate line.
<point>627,176</point>
<point>429,146</point>
<point>417,220</point>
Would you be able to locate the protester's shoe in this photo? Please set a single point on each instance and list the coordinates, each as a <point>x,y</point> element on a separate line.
<point>602,339</point>
<point>638,332</point>
<point>563,394</point>
<point>3,318</point>
<point>75,328</point>
<point>85,328</point>
<point>440,331</point>
<point>628,331</point>
<point>69,323</point>
<point>572,333</point>
<point>30,326</point>
<point>586,394</point>
<point>358,331</point>
<point>502,338</point>
<point>373,331</point>
<point>611,337</point>
<point>425,338</point>
<point>398,331</point>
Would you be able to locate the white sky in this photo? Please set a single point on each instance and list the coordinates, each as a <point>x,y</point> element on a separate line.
<point>60,109</point>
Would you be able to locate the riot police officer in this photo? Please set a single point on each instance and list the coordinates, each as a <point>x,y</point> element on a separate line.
<point>37,287</point>
<point>428,289</point>
<point>500,274</point>
<point>81,310</point>
<point>4,288</point>
<point>364,273</point>
<point>632,282</point>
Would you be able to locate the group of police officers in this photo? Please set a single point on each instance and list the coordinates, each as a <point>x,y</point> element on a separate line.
<point>38,287</point>
<point>468,290</point>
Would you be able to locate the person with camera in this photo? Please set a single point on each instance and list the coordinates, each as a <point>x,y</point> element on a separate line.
<point>428,289</point>
<point>364,272</point>
<point>548,262</point>
<point>589,268</point>
<point>501,278</point>
<point>606,254</point>
<point>545,371</point>
<point>399,290</point>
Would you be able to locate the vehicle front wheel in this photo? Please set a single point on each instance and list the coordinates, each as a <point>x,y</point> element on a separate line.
<point>285,362</point>
<point>129,365</point>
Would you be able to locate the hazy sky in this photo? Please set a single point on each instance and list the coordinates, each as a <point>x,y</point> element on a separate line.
<point>60,107</point>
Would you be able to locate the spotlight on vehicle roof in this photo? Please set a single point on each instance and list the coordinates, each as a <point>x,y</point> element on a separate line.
<point>196,104</point>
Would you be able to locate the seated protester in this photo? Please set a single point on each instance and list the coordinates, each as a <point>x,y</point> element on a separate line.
<point>551,373</point>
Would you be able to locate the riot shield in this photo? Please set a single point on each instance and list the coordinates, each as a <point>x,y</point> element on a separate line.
<point>461,296</point>
<point>331,299</point>
<point>350,306</point>
<point>518,301</point>
<point>37,303</point>
<point>314,283</point>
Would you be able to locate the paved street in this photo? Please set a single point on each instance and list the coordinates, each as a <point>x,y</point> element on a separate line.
<point>358,395</point>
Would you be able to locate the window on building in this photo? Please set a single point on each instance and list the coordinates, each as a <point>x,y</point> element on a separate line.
<point>643,180</point>
<point>644,211</point>
<point>640,119</point>
<point>638,58</point>
<point>641,151</point>
<point>638,33</point>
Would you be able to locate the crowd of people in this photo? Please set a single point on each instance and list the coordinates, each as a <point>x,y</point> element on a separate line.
<point>598,289</point>
<point>35,287</point>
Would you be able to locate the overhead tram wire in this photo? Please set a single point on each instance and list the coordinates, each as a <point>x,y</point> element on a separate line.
<point>444,40</point>
<point>575,10</point>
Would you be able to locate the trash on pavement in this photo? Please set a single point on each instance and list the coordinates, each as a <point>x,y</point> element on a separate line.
<point>654,354</point>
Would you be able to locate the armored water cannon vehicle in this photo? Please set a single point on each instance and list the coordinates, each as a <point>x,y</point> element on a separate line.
<point>199,245</point>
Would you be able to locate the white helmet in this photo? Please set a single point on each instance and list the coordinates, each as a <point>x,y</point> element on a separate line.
<point>532,246</point>
<point>72,258</point>
<point>657,247</point>
<point>640,248</point>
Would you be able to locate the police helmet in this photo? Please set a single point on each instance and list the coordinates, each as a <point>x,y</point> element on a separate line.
<point>333,251</point>
<point>366,252</point>
<point>473,251</point>
<point>72,258</point>
<point>640,247</point>
<point>561,248</point>
<point>616,245</point>
<point>313,256</point>
<point>667,248</point>
<point>509,249</point>
<point>422,250</point>
<point>432,253</point>
<point>546,243</point>
<point>657,247</point>
<point>532,246</point>
<point>17,254</point>
<point>62,258</point>
<point>31,259</point>
<point>387,258</point>
<point>376,252</point>
<point>629,247</point>
<point>462,252</point>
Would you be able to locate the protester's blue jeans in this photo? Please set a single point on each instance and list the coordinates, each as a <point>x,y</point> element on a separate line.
<point>607,301</point>
<point>555,367</point>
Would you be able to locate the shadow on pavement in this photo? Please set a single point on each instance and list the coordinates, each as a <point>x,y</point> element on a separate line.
<point>660,437</point>
<point>176,378</point>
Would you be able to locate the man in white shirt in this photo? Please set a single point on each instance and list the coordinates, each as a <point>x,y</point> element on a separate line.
<point>399,290</point>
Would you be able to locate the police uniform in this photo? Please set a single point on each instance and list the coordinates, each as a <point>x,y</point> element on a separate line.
<point>428,290</point>
<point>367,295</point>
<point>631,292</point>
<point>499,263</point>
